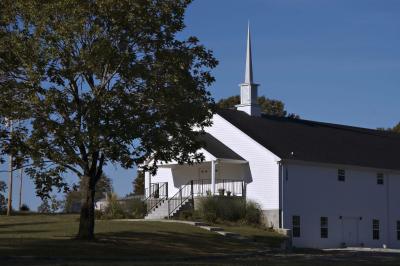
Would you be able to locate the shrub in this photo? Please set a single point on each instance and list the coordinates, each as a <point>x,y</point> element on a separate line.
<point>135,208</point>
<point>114,209</point>
<point>230,209</point>
<point>186,215</point>
<point>253,213</point>
<point>98,214</point>
<point>24,208</point>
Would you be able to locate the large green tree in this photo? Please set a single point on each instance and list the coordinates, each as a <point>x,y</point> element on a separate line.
<point>138,184</point>
<point>99,82</point>
<point>3,201</point>
<point>268,106</point>
<point>103,186</point>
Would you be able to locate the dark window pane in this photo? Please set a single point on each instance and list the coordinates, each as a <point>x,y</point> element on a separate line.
<point>375,229</point>
<point>375,235</point>
<point>324,221</point>
<point>341,175</point>
<point>296,231</point>
<point>296,226</point>
<point>324,232</point>
<point>296,220</point>
<point>398,230</point>
<point>379,179</point>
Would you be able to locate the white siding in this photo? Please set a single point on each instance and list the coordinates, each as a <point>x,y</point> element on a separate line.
<point>312,191</point>
<point>263,173</point>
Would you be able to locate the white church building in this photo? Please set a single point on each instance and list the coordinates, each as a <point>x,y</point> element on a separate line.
<point>332,185</point>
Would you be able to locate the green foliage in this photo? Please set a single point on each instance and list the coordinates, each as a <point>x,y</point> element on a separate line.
<point>73,198</point>
<point>231,209</point>
<point>135,208</point>
<point>268,106</point>
<point>396,128</point>
<point>138,184</point>
<point>253,212</point>
<point>24,208</point>
<point>44,207</point>
<point>3,200</point>
<point>118,209</point>
<point>114,209</point>
<point>101,82</point>
<point>50,205</point>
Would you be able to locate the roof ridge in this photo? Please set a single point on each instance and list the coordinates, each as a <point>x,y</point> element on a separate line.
<point>363,130</point>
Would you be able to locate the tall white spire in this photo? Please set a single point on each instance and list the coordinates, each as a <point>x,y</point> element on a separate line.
<point>248,89</point>
<point>248,78</point>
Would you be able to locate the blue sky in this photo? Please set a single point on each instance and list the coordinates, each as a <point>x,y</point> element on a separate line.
<point>329,60</point>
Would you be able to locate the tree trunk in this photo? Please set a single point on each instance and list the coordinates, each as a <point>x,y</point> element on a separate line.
<point>86,224</point>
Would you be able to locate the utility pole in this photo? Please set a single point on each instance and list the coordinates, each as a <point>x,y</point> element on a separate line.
<point>20,187</point>
<point>10,180</point>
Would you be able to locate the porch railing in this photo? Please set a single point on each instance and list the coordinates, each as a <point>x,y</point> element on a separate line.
<point>202,187</point>
<point>184,194</point>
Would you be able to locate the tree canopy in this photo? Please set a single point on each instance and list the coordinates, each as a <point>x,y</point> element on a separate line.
<point>138,184</point>
<point>268,106</point>
<point>100,82</point>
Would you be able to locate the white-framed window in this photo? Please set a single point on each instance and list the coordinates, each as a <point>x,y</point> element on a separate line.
<point>380,178</point>
<point>375,229</point>
<point>324,227</point>
<point>296,226</point>
<point>341,175</point>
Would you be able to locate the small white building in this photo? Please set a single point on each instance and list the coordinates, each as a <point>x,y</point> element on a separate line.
<point>332,185</point>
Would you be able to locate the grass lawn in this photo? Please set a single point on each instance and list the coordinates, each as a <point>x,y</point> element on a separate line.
<point>259,235</point>
<point>49,240</point>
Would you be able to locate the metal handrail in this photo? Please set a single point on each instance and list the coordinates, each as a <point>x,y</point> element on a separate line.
<point>184,193</point>
<point>159,194</point>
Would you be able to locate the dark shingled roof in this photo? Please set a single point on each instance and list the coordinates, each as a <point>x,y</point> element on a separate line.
<point>218,149</point>
<point>305,140</point>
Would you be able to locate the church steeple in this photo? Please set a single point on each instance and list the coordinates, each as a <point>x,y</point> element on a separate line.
<point>248,89</point>
<point>248,78</point>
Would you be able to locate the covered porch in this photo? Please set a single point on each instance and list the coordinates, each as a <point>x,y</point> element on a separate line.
<point>223,172</point>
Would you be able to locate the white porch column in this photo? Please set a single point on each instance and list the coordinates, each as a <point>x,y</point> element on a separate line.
<point>213,177</point>
<point>147,174</point>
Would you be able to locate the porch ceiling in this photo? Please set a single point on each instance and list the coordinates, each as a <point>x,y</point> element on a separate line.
<point>214,150</point>
<point>218,149</point>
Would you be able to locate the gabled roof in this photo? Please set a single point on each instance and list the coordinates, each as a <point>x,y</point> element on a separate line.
<point>304,140</point>
<point>218,149</point>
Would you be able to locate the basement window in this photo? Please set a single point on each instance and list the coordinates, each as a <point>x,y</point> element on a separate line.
<point>324,227</point>
<point>375,229</point>
<point>379,179</point>
<point>296,226</point>
<point>341,175</point>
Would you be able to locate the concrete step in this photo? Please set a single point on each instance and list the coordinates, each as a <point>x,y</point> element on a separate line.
<point>200,224</point>
<point>212,228</point>
<point>228,234</point>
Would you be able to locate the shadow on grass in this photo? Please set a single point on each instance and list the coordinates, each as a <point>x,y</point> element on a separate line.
<point>126,244</point>
<point>21,231</point>
<point>23,224</point>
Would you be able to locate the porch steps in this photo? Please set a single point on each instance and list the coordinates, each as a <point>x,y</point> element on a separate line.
<point>161,211</point>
